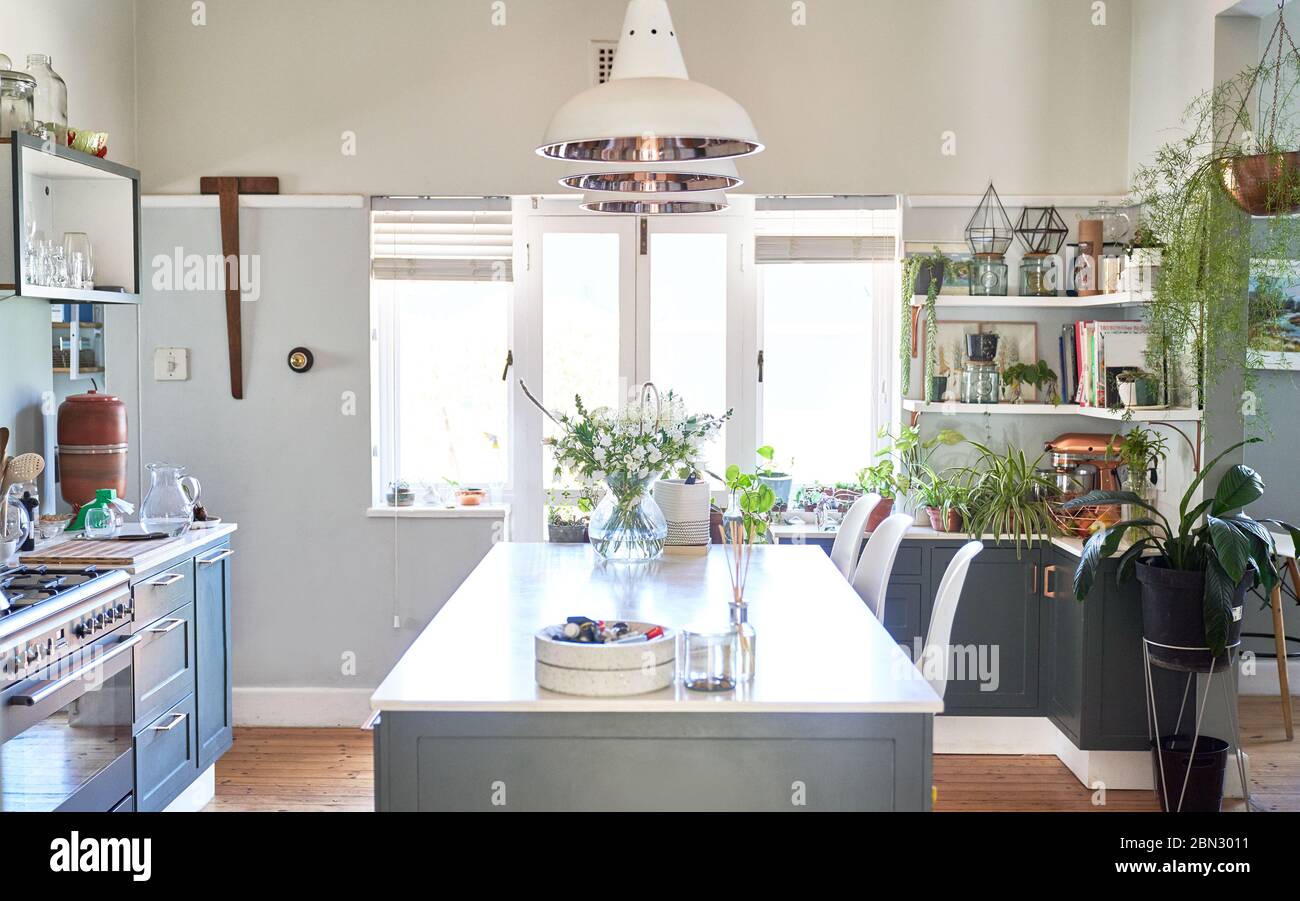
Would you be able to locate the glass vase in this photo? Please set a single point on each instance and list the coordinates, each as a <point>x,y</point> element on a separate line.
<point>627,525</point>
<point>745,642</point>
<point>1138,483</point>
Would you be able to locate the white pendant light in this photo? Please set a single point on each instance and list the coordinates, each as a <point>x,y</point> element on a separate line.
<point>662,179</point>
<point>636,204</point>
<point>649,111</point>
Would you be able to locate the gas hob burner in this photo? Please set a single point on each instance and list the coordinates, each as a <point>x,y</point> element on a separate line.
<point>23,586</point>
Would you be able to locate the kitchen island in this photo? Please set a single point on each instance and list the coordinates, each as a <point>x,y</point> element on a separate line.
<point>836,717</point>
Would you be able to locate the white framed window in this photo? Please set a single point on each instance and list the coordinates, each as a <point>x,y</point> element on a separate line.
<point>828,306</point>
<point>441,297</point>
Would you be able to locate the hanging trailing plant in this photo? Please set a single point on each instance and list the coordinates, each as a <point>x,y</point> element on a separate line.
<point>1198,206</point>
<point>914,267</point>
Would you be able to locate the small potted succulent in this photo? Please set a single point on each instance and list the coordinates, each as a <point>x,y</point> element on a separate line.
<point>1137,388</point>
<point>471,497</point>
<point>400,494</point>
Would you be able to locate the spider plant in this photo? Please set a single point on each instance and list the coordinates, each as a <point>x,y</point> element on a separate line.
<point>1213,537</point>
<point>1005,497</point>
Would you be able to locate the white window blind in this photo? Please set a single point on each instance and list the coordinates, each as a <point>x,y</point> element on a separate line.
<point>826,229</point>
<point>441,239</point>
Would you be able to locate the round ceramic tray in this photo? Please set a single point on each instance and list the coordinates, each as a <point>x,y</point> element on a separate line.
<point>577,656</point>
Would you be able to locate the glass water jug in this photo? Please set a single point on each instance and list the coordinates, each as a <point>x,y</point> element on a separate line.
<point>51,101</point>
<point>168,507</point>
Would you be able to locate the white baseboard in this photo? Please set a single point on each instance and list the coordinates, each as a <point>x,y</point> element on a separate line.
<point>994,735</point>
<point>1264,680</point>
<point>196,797</point>
<point>301,707</point>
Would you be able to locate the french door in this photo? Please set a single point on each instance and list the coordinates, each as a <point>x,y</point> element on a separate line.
<point>611,302</point>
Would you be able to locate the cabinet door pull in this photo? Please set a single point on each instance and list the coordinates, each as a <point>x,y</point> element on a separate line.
<point>176,720</point>
<point>172,624</point>
<point>1033,579</point>
<point>217,558</point>
<point>1048,572</point>
<point>164,581</point>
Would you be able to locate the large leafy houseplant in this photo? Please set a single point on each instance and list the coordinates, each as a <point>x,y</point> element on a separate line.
<point>1213,537</point>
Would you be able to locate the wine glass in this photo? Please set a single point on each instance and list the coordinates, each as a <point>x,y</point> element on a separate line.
<point>80,263</point>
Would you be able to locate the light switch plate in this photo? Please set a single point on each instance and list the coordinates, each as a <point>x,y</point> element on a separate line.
<point>171,364</point>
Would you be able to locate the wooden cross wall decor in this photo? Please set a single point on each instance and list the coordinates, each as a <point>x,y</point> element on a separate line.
<point>228,189</point>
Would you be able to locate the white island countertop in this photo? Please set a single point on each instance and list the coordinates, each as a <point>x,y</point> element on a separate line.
<point>817,649</point>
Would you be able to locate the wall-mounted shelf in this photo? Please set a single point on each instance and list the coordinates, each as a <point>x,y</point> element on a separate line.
<point>1068,201</point>
<point>955,409</point>
<point>957,301</point>
<point>84,325</point>
<point>53,190</point>
<point>82,370</point>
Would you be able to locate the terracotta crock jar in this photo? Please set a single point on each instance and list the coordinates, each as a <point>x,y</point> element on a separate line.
<point>92,446</point>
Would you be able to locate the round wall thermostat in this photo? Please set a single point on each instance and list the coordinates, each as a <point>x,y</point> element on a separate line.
<point>300,359</point>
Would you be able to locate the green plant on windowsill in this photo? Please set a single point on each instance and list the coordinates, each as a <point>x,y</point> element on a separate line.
<point>1037,374</point>
<point>1007,498</point>
<point>946,495</point>
<point>911,269</point>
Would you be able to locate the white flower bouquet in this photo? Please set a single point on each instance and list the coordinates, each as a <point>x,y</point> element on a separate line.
<point>627,449</point>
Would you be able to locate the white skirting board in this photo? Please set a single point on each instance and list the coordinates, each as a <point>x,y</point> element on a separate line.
<point>1113,770</point>
<point>196,797</point>
<point>302,707</point>
<point>1264,679</point>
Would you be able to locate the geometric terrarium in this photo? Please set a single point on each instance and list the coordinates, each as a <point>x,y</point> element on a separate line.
<point>989,234</point>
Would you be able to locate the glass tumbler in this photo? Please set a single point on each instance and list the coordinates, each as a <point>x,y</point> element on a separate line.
<point>80,262</point>
<point>708,660</point>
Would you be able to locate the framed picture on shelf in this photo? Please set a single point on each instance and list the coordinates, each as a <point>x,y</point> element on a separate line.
<point>1017,343</point>
<point>1275,330</point>
<point>956,275</point>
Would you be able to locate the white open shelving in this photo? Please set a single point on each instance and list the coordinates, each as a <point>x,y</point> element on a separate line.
<point>956,409</point>
<point>957,301</point>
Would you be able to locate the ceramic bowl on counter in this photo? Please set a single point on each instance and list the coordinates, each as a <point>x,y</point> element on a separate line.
<point>605,670</point>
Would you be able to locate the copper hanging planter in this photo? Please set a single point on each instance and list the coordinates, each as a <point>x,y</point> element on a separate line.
<point>1263,184</point>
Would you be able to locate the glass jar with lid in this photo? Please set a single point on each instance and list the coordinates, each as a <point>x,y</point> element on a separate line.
<point>17,102</point>
<point>1039,275</point>
<point>51,100</point>
<point>980,382</point>
<point>988,275</point>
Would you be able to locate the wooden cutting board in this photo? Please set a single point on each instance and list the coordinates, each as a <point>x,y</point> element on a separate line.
<point>97,553</point>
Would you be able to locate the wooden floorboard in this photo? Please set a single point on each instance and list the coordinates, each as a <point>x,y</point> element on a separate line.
<point>331,769</point>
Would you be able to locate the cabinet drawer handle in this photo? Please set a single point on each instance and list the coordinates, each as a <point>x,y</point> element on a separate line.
<point>172,624</point>
<point>1048,572</point>
<point>217,558</point>
<point>164,581</point>
<point>177,719</point>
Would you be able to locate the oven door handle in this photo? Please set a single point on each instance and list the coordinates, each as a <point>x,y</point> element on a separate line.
<point>50,688</point>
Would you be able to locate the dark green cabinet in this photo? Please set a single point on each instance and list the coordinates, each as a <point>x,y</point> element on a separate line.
<point>214,703</point>
<point>1092,660</point>
<point>995,633</point>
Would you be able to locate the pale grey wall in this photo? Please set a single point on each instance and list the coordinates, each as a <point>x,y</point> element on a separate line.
<point>314,577</point>
<point>443,102</point>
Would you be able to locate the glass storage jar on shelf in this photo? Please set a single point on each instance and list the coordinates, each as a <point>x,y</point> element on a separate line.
<point>980,383</point>
<point>1039,275</point>
<point>51,100</point>
<point>988,275</point>
<point>17,102</point>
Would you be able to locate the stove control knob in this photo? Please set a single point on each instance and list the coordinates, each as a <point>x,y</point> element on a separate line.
<point>79,630</point>
<point>32,653</point>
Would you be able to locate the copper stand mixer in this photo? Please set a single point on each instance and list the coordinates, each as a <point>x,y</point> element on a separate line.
<point>1083,462</point>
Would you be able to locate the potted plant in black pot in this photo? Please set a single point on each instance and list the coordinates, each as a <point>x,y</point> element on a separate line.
<point>1194,573</point>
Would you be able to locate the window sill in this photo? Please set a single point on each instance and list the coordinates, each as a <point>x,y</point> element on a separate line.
<point>484,511</point>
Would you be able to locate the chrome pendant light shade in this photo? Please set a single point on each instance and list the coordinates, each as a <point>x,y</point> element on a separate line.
<point>671,179</point>
<point>674,137</point>
<point>654,204</point>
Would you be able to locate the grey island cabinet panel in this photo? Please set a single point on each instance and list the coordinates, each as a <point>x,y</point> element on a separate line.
<point>615,762</point>
<point>213,695</point>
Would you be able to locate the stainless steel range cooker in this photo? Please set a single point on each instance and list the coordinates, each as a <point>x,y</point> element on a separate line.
<point>65,688</point>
